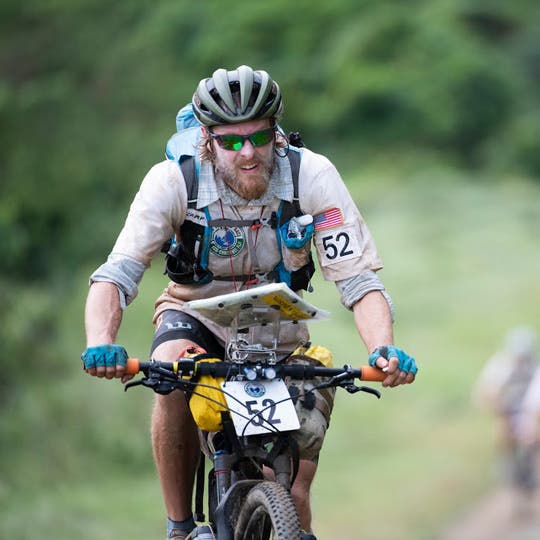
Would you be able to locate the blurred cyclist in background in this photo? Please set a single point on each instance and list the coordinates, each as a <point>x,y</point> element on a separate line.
<point>505,389</point>
<point>529,425</point>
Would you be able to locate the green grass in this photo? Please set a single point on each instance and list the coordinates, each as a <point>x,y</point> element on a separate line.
<point>462,265</point>
<point>97,508</point>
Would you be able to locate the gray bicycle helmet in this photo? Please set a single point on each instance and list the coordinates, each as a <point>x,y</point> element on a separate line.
<point>231,97</point>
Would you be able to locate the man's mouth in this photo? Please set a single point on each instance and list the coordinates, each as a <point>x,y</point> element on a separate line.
<point>249,167</point>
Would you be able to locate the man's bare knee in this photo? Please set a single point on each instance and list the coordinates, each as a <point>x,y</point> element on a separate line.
<point>169,351</point>
<point>171,417</point>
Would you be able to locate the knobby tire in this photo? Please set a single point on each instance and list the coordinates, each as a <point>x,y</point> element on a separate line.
<point>268,513</point>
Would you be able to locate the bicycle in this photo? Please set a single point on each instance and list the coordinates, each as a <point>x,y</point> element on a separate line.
<point>257,417</point>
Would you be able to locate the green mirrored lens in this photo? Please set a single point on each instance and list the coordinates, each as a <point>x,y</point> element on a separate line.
<point>231,142</point>
<point>261,138</point>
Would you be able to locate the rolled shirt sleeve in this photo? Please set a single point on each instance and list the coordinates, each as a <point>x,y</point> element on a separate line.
<point>355,288</point>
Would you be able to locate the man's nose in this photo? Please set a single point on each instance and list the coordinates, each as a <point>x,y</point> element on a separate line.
<point>247,149</point>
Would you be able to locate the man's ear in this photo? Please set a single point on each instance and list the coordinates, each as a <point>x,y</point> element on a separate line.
<point>205,135</point>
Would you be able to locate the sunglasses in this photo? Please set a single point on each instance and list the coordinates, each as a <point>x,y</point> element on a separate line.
<point>236,142</point>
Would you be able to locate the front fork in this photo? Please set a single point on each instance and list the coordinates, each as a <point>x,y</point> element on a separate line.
<point>228,495</point>
<point>222,472</point>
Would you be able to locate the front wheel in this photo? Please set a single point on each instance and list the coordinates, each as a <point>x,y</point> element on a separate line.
<point>268,513</point>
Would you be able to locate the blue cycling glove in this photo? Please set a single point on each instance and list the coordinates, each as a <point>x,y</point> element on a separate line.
<point>104,356</point>
<point>406,362</point>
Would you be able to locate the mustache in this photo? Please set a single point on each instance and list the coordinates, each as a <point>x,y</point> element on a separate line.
<point>255,160</point>
<point>252,188</point>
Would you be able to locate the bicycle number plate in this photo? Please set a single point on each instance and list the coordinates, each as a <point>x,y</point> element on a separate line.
<point>259,407</point>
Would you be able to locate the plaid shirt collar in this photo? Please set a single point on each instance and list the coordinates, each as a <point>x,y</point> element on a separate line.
<point>212,187</point>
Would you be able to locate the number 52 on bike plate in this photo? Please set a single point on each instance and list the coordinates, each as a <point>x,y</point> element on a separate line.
<point>259,407</point>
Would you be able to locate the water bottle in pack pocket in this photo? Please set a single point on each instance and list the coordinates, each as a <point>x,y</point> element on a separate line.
<point>295,241</point>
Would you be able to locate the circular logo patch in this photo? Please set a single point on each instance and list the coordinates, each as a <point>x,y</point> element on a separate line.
<point>254,389</point>
<point>227,241</point>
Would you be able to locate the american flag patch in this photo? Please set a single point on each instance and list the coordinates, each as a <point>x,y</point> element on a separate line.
<point>328,219</point>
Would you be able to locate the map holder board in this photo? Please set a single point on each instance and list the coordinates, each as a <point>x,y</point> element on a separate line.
<point>257,306</point>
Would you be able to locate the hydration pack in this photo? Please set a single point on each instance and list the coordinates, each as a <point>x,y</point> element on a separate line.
<point>187,259</point>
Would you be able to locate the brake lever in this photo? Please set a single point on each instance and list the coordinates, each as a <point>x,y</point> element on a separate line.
<point>345,381</point>
<point>336,380</point>
<point>131,384</point>
<point>352,389</point>
<point>158,385</point>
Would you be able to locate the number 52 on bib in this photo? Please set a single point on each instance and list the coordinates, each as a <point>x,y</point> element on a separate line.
<point>337,245</point>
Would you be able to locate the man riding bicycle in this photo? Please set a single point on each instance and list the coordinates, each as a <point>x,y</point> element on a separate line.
<point>244,210</point>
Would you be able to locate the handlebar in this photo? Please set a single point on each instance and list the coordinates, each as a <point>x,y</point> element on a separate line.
<point>188,366</point>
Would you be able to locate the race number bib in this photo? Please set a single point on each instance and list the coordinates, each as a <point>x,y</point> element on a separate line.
<point>259,407</point>
<point>337,245</point>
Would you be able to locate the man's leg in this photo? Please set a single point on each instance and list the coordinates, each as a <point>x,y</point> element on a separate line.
<point>175,441</point>
<point>300,492</point>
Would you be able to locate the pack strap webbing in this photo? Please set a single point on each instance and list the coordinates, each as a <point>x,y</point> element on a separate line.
<point>191,179</point>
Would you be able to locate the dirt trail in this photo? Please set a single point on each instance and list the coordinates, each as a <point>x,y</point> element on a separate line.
<point>502,515</point>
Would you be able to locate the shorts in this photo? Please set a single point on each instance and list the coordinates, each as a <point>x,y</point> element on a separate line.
<point>174,324</point>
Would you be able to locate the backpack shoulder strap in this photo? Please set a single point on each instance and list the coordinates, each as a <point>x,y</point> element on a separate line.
<point>294,160</point>
<point>189,171</point>
<point>292,209</point>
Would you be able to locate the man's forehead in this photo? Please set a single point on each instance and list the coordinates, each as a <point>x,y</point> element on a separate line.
<point>243,128</point>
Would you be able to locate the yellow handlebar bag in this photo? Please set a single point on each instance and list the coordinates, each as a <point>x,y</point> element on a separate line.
<point>206,400</point>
